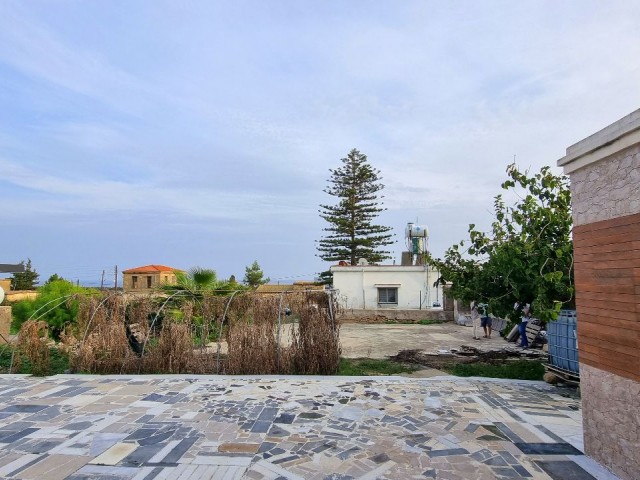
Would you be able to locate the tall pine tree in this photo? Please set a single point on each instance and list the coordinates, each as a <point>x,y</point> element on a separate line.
<point>351,233</point>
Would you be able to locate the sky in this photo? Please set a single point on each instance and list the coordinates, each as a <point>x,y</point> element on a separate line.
<point>201,133</point>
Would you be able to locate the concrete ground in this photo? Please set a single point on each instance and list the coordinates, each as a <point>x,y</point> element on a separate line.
<point>384,340</point>
<point>326,428</point>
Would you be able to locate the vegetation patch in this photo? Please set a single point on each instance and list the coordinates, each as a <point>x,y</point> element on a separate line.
<point>58,362</point>
<point>516,370</point>
<point>370,366</point>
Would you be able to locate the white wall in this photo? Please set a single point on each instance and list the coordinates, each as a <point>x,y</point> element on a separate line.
<point>358,286</point>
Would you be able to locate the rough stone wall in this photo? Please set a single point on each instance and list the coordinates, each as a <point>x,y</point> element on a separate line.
<point>611,418</point>
<point>607,189</point>
<point>384,316</point>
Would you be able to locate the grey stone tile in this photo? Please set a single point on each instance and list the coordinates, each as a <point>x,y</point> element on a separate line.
<point>548,448</point>
<point>564,470</point>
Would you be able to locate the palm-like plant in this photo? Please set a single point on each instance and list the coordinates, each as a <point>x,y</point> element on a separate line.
<point>198,282</point>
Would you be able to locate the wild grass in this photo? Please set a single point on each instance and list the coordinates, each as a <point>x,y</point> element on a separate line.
<point>517,370</point>
<point>369,366</point>
<point>117,334</point>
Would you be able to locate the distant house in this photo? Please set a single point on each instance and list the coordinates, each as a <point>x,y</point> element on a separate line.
<point>289,288</point>
<point>144,279</point>
<point>380,287</point>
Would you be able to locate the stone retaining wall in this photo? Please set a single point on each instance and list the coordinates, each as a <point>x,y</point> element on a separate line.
<point>399,316</point>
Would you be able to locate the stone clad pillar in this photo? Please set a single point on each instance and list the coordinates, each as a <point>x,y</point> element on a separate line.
<point>605,185</point>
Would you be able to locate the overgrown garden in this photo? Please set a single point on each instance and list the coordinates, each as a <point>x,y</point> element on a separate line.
<point>181,332</point>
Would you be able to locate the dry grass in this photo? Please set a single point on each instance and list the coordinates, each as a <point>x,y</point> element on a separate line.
<point>33,346</point>
<point>316,344</point>
<point>118,334</point>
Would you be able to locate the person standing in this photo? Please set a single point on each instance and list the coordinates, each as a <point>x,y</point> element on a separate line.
<point>486,322</point>
<point>524,321</point>
<point>475,318</point>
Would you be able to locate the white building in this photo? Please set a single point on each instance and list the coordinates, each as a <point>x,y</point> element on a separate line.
<point>401,287</point>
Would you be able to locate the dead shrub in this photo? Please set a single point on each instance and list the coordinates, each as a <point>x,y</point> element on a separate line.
<point>120,334</point>
<point>316,342</point>
<point>173,353</point>
<point>101,344</point>
<point>251,336</point>
<point>33,347</point>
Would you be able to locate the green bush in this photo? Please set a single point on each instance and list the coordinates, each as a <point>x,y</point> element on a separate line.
<point>55,304</point>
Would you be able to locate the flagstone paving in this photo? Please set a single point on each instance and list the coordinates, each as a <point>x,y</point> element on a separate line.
<point>330,428</point>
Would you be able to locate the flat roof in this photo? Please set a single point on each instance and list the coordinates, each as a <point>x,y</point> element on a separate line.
<point>619,135</point>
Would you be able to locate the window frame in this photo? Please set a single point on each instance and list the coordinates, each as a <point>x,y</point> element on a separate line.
<point>387,290</point>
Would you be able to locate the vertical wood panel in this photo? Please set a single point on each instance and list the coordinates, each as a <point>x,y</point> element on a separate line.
<point>607,270</point>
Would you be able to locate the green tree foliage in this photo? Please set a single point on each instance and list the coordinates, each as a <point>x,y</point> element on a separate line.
<point>200,281</point>
<point>56,304</point>
<point>254,276</point>
<point>25,280</point>
<point>527,256</point>
<point>325,278</point>
<point>53,278</point>
<point>351,233</point>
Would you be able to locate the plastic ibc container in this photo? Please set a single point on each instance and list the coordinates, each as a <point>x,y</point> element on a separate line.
<point>563,345</point>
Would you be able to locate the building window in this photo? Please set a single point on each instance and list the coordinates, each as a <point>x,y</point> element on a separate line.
<point>134,281</point>
<point>149,282</point>
<point>388,295</point>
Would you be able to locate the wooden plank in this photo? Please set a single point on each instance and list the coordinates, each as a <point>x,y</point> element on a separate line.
<point>607,298</point>
<point>604,276</point>
<point>603,264</point>
<point>596,345</point>
<point>593,310</point>
<point>615,335</point>
<point>590,286</point>
<point>604,362</point>
<point>532,332</point>
<point>580,241</point>
<point>607,224</point>
<point>606,248</point>
<point>596,305</point>
<point>582,256</point>
<point>624,328</point>
<point>616,371</point>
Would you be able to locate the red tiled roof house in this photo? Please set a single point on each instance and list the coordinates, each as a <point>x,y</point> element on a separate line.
<point>145,279</point>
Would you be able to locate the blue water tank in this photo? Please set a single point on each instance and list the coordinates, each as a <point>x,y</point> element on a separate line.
<point>563,343</point>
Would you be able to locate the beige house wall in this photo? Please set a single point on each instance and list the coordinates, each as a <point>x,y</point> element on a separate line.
<point>17,295</point>
<point>605,181</point>
<point>157,279</point>
<point>5,324</point>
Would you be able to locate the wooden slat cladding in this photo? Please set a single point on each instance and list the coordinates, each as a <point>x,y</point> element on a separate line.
<point>607,274</point>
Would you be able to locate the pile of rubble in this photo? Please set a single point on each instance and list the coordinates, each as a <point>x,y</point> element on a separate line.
<point>467,354</point>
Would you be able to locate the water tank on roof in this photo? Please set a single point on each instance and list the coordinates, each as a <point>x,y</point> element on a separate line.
<point>416,231</point>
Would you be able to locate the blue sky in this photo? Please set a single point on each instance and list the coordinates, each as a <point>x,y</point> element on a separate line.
<point>202,133</point>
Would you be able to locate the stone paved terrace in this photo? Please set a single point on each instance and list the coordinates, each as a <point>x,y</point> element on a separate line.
<point>171,427</point>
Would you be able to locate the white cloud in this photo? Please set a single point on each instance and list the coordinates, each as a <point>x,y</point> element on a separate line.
<point>221,113</point>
